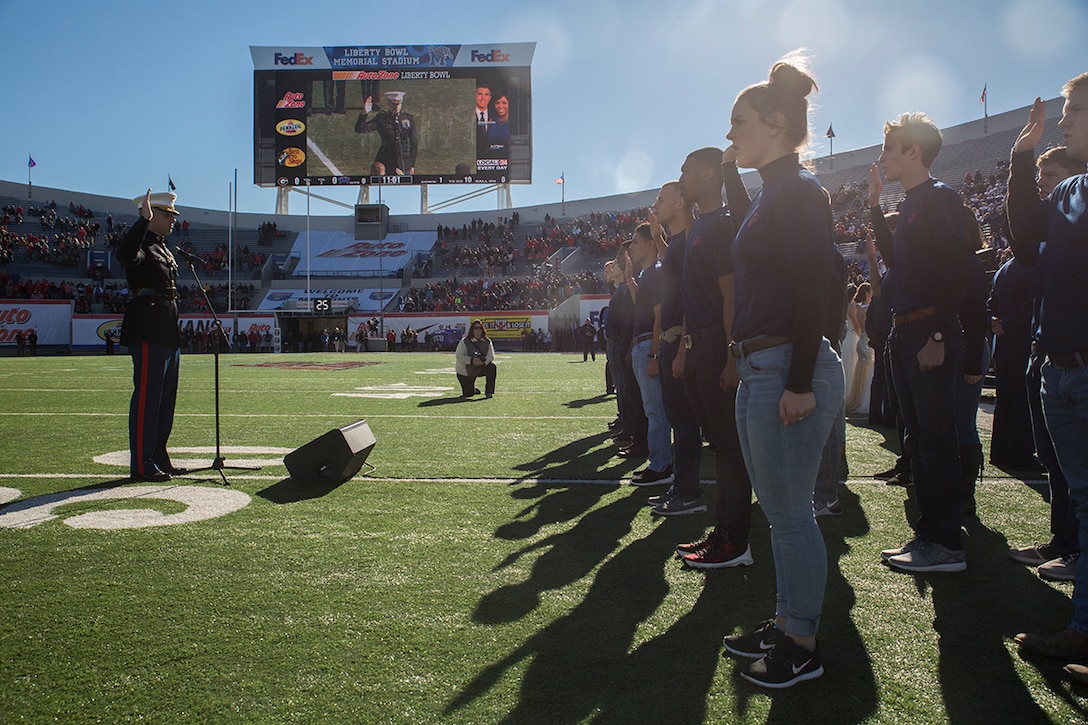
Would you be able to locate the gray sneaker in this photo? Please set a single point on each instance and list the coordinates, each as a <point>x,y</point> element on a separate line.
<point>905,548</point>
<point>831,508</point>
<point>678,506</point>
<point>1061,569</point>
<point>928,556</point>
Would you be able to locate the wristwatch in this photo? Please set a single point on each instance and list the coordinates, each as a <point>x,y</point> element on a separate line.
<point>937,336</point>
<point>653,355</point>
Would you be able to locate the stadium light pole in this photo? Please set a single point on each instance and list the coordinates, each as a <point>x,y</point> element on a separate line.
<point>309,297</point>
<point>230,250</point>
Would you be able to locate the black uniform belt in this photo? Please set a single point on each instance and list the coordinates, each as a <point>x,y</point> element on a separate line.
<point>1069,359</point>
<point>706,332</point>
<point>740,348</point>
<point>642,338</point>
<point>913,316</point>
<point>170,293</point>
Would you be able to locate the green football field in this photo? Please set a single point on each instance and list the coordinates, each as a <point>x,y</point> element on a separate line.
<point>493,567</point>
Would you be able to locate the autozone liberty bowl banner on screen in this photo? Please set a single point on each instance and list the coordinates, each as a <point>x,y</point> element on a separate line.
<point>51,320</point>
<point>340,253</point>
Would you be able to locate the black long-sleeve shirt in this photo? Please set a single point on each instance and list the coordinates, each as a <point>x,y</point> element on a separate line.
<point>784,265</point>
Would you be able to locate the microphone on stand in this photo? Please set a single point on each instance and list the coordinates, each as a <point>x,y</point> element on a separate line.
<point>188,256</point>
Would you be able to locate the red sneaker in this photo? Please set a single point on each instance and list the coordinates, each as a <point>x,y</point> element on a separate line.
<point>720,554</point>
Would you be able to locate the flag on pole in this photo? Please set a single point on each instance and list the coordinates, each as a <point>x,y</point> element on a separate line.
<point>830,131</point>
<point>170,183</point>
<point>31,163</point>
<point>560,179</point>
<point>982,98</point>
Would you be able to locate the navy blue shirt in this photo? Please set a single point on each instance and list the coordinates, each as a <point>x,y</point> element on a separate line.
<point>619,322</point>
<point>706,258</point>
<point>784,259</point>
<point>927,252</point>
<point>672,267</point>
<point>648,297</point>
<point>788,222</point>
<point>1011,302</point>
<point>1054,235</point>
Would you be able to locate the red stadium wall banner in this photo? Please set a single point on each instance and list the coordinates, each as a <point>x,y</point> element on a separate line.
<point>49,319</point>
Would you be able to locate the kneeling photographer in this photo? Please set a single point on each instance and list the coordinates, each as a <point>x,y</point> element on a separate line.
<point>475,358</point>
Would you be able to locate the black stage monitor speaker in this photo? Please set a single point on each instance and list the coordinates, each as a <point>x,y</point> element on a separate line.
<point>333,458</point>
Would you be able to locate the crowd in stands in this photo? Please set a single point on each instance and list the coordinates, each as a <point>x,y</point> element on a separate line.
<point>111,298</point>
<point>61,240</point>
<point>532,293</point>
<point>267,234</point>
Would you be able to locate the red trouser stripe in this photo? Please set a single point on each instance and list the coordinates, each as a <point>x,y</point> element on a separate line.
<point>141,408</point>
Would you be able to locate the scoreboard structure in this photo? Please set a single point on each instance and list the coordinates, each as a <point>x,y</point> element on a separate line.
<point>392,115</point>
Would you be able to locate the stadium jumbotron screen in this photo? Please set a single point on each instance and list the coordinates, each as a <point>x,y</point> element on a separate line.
<point>392,115</point>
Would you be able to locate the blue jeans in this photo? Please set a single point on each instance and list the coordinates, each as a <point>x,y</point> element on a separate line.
<point>687,438</point>
<point>151,410</point>
<point>1063,513</point>
<point>1065,405</point>
<point>783,462</point>
<point>927,404</point>
<point>968,396</point>
<point>658,431</point>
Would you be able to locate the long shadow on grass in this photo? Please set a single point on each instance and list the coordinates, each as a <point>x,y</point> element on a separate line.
<point>578,460</point>
<point>580,663</point>
<point>848,666</point>
<point>288,491</point>
<point>976,615</point>
<point>583,402</point>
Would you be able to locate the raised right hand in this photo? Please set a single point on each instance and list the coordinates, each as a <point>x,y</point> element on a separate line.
<point>368,104</point>
<point>1029,137</point>
<point>876,185</point>
<point>145,207</point>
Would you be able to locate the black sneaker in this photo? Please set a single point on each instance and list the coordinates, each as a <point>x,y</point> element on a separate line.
<point>902,478</point>
<point>785,666</point>
<point>650,477</point>
<point>754,644</point>
<point>657,498</point>
<point>680,505</point>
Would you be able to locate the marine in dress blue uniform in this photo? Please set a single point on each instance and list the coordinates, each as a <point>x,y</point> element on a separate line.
<point>150,331</point>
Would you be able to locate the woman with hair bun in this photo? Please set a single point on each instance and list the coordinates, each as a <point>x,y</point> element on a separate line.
<point>789,287</point>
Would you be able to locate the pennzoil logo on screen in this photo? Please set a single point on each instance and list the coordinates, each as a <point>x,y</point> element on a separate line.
<point>290,127</point>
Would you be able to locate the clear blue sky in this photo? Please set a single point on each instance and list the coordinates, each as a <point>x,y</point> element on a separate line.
<point>111,97</point>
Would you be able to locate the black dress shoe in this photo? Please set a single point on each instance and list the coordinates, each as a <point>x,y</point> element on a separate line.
<point>176,471</point>
<point>154,477</point>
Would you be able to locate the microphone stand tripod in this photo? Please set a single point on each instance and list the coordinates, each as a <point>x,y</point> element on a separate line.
<point>220,336</point>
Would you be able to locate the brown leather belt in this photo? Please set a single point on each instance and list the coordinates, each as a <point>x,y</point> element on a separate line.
<point>642,338</point>
<point>701,334</point>
<point>672,334</point>
<point>913,316</point>
<point>1069,359</point>
<point>740,348</point>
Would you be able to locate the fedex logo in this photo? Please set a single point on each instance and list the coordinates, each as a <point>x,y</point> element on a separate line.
<point>296,59</point>
<point>494,56</point>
